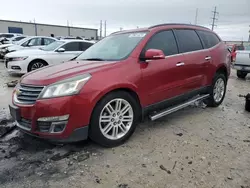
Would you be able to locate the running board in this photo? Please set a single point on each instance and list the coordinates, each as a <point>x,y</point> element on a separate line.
<point>176,108</point>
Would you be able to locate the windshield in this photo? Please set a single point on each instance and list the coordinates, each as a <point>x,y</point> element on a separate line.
<point>247,47</point>
<point>53,46</point>
<point>114,47</point>
<point>239,48</point>
<point>18,39</point>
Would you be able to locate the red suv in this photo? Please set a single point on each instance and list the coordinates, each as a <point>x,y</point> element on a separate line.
<point>104,92</point>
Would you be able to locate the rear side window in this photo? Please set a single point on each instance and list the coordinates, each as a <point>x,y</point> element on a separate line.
<point>72,46</point>
<point>209,39</point>
<point>47,41</point>
<point>164,41</point>
<point>188,40</point>
<point>85,45</point>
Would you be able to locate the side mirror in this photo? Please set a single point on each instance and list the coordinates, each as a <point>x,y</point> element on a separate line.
<point>154,54</point>
<point>61,50</point>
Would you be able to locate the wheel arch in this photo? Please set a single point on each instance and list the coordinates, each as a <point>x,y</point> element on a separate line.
<point>34,60</point>
<point>223,69</point>
<point>126,88</point>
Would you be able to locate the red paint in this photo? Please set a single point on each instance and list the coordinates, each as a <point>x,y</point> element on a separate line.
<point>153,81</point>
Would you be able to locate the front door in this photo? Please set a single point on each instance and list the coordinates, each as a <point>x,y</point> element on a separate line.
<point>164,78</point>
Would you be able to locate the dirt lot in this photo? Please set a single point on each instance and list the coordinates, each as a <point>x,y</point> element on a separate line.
<point>196,147</point>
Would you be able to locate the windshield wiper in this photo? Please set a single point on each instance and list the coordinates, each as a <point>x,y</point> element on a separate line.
<point>94,59</point>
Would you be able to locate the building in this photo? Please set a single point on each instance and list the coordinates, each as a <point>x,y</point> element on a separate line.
<point>37,29</point>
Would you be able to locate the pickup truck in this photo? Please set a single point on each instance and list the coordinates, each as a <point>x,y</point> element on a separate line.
<point>241,62</point>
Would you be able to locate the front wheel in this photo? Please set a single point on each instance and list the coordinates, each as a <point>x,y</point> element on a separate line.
<point>36,65</point>
<point>217,91</point>
<point>241,74</point>
<point>114,119</point>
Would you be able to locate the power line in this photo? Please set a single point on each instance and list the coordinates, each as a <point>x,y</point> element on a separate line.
<point>215,13</point>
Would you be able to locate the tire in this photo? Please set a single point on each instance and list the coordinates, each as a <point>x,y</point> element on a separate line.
<point>101,132</point>
<point>213,101</point>
<point>241,75</point>
<point>36,64</point>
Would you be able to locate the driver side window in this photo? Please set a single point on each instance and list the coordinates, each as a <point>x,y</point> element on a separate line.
<point>164,41</point>
<point>33,42</point>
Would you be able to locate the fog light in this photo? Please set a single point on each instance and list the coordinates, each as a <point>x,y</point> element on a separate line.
<point>15,68</point>
<point>54,118</point>
<point>58,127</point>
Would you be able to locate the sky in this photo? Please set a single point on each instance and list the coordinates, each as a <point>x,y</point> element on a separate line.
<point>233,19</point>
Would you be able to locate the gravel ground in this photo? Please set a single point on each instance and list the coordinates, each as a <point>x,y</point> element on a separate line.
<point>195,147</point>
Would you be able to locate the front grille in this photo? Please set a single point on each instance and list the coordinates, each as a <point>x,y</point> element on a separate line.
<point>43,126</point>
<point>27,94</point>
<point>25,123</point>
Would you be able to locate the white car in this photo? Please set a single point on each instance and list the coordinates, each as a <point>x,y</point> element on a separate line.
<point>24,61</point>
<point>6,36</point>
<point>26,43</point>
<point>14,40</point>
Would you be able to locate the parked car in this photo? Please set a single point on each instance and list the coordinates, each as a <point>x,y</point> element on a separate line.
<point>5,36</point>
<point>233,48</point>
<point>241,61</point>
<point>24,61</point>
<point>120,79</point>
<point>13,40</point>
<point>26,43</point>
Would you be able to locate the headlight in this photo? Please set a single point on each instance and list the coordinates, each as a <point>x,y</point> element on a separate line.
<point>18,58</point>
<point>66,87</point>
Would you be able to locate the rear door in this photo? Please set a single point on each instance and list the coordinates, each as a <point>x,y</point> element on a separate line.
<point>196,58</point>
<point>217,52</point>
<point>163,78</point>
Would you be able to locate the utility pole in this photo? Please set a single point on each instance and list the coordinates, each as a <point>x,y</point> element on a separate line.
<point>35,27</point>
<point>105,28</point>
<point>215,13</point>
<point>249,34</point>
<point>196,17</point>
<point>101,29</point>
<point>68,27</point>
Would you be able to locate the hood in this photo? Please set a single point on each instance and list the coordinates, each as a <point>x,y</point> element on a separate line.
<point>52,74</point>
<point>5,45</point>
<point>24,52</point>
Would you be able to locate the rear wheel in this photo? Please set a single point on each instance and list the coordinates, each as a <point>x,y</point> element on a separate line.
<point>114,119</point>
<point>241,74</point>
<point>36,65</point>
<point>217,91</point>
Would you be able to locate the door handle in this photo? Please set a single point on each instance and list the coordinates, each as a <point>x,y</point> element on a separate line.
<point>180,64</point>
<point>208,58</point>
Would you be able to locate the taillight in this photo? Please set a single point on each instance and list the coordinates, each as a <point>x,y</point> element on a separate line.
<point>234,57</point>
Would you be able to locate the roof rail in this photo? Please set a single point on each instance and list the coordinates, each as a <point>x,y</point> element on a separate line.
<point>166,24</point>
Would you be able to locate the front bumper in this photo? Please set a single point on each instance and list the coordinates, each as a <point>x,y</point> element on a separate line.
<point>20,67</point>
<point>76,129</point>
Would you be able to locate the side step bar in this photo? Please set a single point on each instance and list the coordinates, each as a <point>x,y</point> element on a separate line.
<point>176,108</point>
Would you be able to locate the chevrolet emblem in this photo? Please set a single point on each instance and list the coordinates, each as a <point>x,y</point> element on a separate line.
<point>18,92</point>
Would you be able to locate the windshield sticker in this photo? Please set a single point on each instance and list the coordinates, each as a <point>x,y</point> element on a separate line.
<point>137,35</point>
